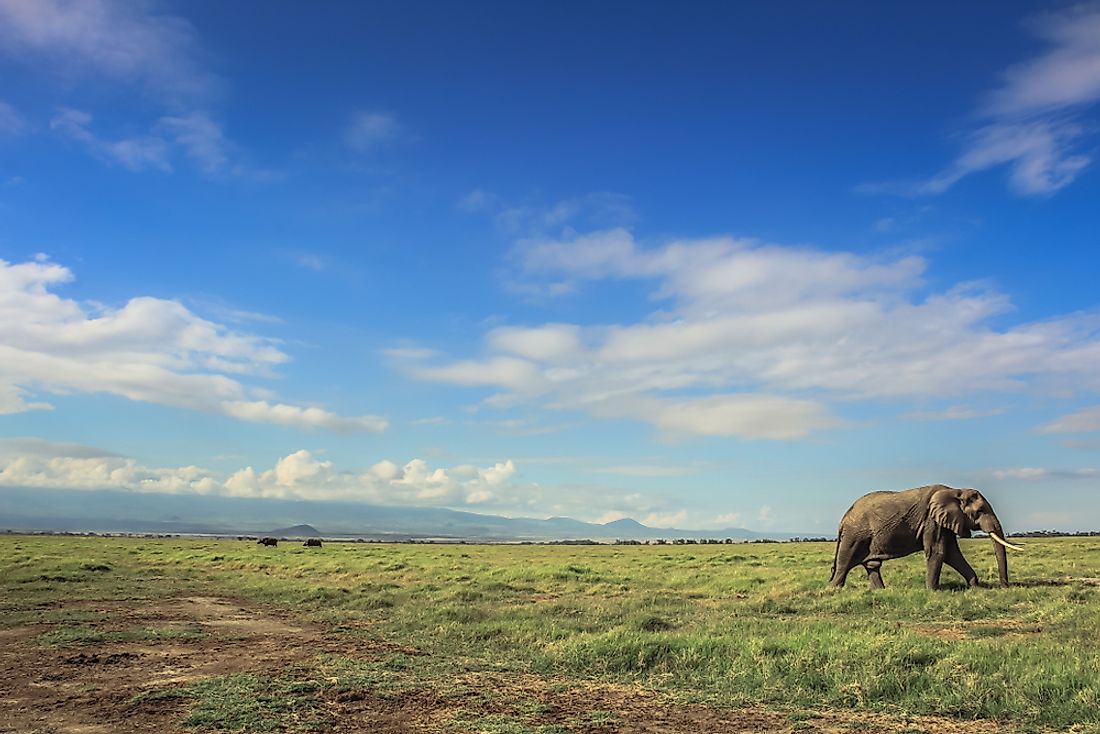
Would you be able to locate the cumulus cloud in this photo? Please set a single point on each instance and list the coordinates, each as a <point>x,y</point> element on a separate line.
<point>665,519</point>
<point>492,488</point>
<point>750,339</point>
<point>150,349</point>
<point>728,519</point>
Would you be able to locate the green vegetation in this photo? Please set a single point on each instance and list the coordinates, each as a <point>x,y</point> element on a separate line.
<point>248,703</point>
<point>720,624</point>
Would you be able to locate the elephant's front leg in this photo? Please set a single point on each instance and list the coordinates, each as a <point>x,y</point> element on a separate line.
<point>957,561</point>
<point>935,565</point>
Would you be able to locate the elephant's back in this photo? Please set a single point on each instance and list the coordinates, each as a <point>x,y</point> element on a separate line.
<point>868,500</point>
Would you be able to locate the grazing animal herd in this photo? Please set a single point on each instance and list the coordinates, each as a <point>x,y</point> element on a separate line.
<point>880,526</point>
<point>310,542</point>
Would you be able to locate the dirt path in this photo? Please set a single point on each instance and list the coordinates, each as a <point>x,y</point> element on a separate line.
<point>90,688</point>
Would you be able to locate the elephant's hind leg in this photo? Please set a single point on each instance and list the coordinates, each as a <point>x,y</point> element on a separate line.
<point>848,555</point>
<point>874,574</point>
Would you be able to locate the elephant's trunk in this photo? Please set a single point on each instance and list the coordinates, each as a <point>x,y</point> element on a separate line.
<point>990,524</point>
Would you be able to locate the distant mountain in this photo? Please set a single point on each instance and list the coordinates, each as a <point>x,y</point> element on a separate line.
<point>120,511</point>
<point>297,531</point>
<point>626,525</point>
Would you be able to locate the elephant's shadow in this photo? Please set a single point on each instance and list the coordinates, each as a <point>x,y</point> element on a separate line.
<point>1029,583</point>
<point>952,585</point>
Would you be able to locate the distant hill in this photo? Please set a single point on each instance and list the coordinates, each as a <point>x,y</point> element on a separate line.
<point>297,531</point>
<point>627,526</point>
<point>120,511</point>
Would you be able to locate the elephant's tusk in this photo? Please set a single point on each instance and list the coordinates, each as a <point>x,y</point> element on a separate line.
<point>1005,543</point>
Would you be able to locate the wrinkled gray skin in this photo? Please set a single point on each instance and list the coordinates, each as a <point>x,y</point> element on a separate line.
<point>885,525</point>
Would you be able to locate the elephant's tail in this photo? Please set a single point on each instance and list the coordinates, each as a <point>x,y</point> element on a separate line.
<point>836,555</point>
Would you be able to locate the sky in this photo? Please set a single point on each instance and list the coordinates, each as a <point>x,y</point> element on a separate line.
<point>700,264</point>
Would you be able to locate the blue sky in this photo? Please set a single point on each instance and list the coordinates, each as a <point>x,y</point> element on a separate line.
<point>699,265</point>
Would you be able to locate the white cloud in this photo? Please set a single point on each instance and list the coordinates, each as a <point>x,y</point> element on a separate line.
<point>313,261</point>
<point>597,210</point>
<point>432,420</point>
<point>260,411</point>
<point>952,413</point>
<point>478,200</point>
<point>729,519</point>
<point>1032,473</point>
<point>11,122</point>
<point>1085,420</point>
<point>744,415</point>
<point>134,154</point>
<point>549,343</point>
<point>102,472</point>
<point>123,41</point>
<point>1023,472</point>
<point>1028,122</point>
<point>39,447</point>
<point>1039,156</point>
<point>13,400</point>
<point>495,488</point>
<point>150,349</point>
<point>1067,75</point>
<point>509,372</point>
<point>648,470</point>
<point>193,135</point>
<point>751,339</point>
<point>201,138</point>
<point>371,130</point>
<point>665,519</point>
<point>127,44</point>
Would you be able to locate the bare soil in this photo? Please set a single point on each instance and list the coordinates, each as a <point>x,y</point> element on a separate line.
<point>91,688</point>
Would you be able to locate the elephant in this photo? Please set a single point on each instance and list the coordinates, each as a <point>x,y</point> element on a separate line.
<point>884,525</point>
<point>267,541</point>
<point>312,543</point>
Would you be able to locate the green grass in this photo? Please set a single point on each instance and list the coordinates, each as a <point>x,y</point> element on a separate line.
<point>726,625</point>
<point>248,703</point>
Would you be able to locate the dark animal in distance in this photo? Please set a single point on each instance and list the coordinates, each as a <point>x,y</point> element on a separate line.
<point>312,543</point>
<point>884,525</point>
<point>267,541</point>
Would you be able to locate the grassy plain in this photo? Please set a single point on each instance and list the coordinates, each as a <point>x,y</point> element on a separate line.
<point>725,626</point>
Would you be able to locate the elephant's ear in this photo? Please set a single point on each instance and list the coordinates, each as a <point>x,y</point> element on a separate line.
<point>946,512</point>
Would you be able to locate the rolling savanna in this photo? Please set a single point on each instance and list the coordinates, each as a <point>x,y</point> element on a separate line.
<point>555,367</point>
